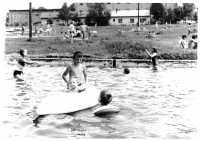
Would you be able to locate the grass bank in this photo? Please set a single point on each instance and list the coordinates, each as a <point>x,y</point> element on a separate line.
<point>110,42</point>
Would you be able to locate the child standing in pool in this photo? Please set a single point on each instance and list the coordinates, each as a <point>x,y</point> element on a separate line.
<point>77,73</point>
<point>21,62</point>
<point>153,56</point>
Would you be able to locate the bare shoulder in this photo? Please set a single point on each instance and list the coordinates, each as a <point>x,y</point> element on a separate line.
<point>68,66</point>
<point>83,65</point>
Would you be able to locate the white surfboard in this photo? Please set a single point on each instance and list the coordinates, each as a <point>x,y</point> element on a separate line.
<point>69,102</point>
<point>105,110</point>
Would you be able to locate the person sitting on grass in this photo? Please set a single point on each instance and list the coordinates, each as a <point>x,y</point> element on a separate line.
<point>78,34</point>
<point>153,56</point>
<point>193,42</point>
<point>183,42</point>
<point>77,73</point>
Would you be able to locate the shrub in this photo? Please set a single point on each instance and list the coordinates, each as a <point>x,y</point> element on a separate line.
<point>126,49</point>
<point>16,24</point>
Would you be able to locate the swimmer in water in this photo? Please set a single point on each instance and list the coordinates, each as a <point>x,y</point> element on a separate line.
<point>153,56</point>
<point>105,98</point>
<point>21,62</point>
<point>77,73</point>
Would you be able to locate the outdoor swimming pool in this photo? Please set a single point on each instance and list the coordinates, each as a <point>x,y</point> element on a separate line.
<point>153,104</point>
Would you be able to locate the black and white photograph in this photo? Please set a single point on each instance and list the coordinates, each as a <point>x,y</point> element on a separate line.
<point>77,69</point>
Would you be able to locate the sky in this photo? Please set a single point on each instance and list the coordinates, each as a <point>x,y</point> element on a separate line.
<point>50,4</point>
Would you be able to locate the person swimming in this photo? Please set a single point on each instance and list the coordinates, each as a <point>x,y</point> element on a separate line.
<point>105,98</point>
<point>21,62</point>
<point>153,56</point>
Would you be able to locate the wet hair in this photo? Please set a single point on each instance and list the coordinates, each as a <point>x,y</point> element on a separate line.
<point>21,52</point>
<point>183,36</point>
<point>154,50</point>
<point>126,71</point>
<point>21,62</point>
<point>194,36</point>
<point>105,98</point>
<point>77,54</point>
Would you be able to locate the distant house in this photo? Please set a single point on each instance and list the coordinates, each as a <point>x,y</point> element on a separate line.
<point>127,17</point>
<point>53,16</point>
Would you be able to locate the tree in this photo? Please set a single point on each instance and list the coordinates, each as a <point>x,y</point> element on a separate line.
<point>67,13</point>
<point>97,15</point>
<point>170,17</point>
<point>179,15</point>
<point>188,9</point>
<point>64,13</point>
<point>195,16</point>
<point>72,7</point>
<point>158,12</point>
<point>42,8</point>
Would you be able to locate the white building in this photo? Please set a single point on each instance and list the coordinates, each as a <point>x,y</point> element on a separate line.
<point>129,17</point>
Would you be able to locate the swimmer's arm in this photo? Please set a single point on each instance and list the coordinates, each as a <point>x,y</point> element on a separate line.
<point>29,62</point>
<point>148,52</point>
<point>85,74</point>
<point>154,54</point>
<point>64,76</point>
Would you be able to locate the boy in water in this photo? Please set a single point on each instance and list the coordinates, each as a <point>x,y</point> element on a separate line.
<point>153,56</point>
<point>77,73</point>
<point>21,62</point>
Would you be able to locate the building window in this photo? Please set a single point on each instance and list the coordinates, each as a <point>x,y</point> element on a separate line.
<point>119,20</point>
<point>81,3</point>
<point>80,11</point>
<point>131,20</point>
<point>142,20</point>
<point>113,20</point>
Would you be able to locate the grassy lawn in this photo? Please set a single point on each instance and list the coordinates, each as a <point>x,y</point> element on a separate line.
<point>111,41</point>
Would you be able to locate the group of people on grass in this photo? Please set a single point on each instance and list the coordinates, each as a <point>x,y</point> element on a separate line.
<point>192,43</point>
<point>74,31</point>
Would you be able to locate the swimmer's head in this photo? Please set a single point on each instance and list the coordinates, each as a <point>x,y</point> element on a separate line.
<point>77,57</point>
<point>184,36</point>
<point>105,97</point>
<point>23,52</point>
<point>21,62</point>
<point>126,71</point>
<point>155,50</point>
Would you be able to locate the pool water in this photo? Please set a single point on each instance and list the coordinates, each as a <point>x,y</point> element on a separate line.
<point>153,104</point>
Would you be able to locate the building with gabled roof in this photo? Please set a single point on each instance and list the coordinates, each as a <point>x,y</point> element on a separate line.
<point>126,17</point>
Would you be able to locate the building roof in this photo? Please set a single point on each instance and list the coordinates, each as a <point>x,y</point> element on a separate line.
<point>46,15</point>
<point>35,10</point>
<point>129,13</point>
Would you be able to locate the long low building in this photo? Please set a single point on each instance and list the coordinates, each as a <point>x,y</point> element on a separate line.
<point>21,17</point>
<point>121,13</point>
<point>127,17</point>
<point>119,17</point>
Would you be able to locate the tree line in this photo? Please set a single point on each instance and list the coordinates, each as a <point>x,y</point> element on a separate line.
<point>97,14</point>
<point>163,15</point>
<point>100,16</point>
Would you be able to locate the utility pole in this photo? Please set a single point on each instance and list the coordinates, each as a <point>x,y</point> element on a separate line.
<point>30,22</point>
<point>138,15</point>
